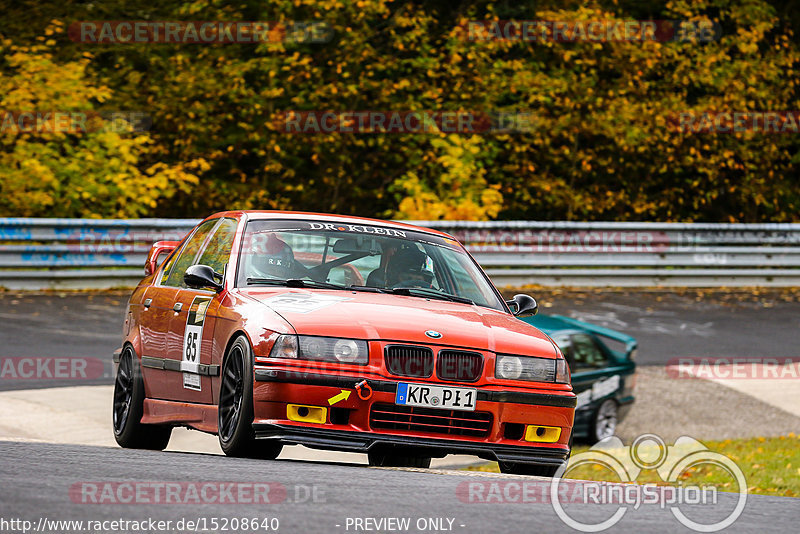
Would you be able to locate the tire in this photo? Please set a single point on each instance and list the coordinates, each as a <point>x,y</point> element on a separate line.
<point>392,459</point>
<point>128,407</point>
<point>604,422</point>
<point>235,410</point>
<point>528,469</point>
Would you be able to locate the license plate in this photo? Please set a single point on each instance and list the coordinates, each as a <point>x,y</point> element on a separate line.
<point>431,396</point>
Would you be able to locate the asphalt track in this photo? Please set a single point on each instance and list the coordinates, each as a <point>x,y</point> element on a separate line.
<point>37,477</point>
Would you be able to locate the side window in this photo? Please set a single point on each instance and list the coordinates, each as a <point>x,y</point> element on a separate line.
<point>168,266</point>
<point>218,250</point>
<point>186,256</point>
<point>586,354</point>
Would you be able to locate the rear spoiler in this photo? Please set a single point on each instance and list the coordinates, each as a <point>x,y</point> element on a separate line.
<point>630,343</point>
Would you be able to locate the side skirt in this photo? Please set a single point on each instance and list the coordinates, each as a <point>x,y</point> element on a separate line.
<point>202,417</point>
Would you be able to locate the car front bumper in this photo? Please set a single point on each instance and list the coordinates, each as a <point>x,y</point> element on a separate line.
<point>275,389</point>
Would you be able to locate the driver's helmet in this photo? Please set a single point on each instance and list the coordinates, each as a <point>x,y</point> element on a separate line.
<point>273,257</point>
<point>409,267</point>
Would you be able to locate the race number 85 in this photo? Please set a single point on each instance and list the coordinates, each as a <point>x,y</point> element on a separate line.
<point>191,346</point>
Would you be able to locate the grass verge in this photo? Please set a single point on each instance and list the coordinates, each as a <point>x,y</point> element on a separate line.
<point>771,466</point>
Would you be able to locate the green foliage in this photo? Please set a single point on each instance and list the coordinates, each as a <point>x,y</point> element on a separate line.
<point>601,147</point>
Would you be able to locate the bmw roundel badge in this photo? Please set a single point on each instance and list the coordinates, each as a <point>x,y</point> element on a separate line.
<point>433,334</point>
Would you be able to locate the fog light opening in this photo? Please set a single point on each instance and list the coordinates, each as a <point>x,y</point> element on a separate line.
<point>542,434</point>
<point>306,414</point>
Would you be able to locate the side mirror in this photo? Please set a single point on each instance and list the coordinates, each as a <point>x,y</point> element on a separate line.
<point>523,305</point>
<point>159,248</point>
<point>201,277</point>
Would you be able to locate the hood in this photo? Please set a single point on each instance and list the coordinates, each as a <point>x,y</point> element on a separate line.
<point>380,316</point>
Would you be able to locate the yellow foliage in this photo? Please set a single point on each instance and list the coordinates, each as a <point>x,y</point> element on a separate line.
<point>457,189</point>
<point>75,173</point>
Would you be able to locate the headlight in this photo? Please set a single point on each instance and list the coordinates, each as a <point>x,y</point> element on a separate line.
<point>533,369</point>
<point>347,350</point>
<point>324,349</point>
<point>508,367</point>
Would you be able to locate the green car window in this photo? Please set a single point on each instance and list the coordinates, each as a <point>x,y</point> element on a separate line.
<point>586,354</point>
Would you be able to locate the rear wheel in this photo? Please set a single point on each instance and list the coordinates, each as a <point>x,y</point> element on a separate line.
<point>397,459</point>
<point>129,431</point>
<point>235,412</point>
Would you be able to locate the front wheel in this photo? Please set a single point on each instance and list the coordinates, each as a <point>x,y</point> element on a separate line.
<point>129,431</point>
<point>235,411</point>
<point>604,423</point>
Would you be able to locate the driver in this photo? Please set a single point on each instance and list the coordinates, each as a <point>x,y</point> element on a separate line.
<point>273,258</point>
<point>409,267</point>
<point>377,278</point>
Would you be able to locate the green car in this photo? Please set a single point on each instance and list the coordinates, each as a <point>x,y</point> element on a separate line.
<point>602,377</point>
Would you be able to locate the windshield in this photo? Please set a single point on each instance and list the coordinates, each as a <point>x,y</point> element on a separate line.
<point>334,255</point>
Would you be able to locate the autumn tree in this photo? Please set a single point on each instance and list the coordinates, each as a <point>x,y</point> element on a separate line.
<point>601,147</point>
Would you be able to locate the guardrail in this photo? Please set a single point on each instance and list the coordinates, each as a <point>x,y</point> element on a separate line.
<point>87,253</point>
<point>80,253</point>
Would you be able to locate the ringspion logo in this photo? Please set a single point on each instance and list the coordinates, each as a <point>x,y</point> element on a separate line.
<point>650,452</point>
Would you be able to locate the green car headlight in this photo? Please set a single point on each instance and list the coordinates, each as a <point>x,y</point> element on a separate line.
<point>321,349</point>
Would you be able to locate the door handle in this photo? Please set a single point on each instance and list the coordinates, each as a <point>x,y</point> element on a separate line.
<point>177,307</point>
<point>147,302</point>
